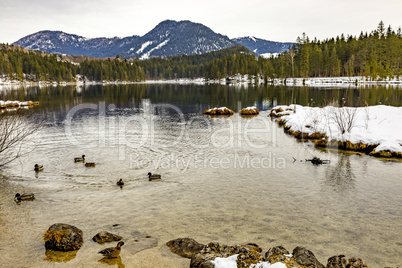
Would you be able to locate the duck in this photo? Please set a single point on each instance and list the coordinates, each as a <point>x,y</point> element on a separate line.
<point>120,182</point>
<point>38,167</point>
<point>24,197</point>
<point>112,252</point>
<point>90,164</point>
<point>153,176</point>
<point>80,159</point>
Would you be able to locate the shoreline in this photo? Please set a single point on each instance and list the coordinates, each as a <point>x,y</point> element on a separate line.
<point>371,129</point>
<point>236,80</point>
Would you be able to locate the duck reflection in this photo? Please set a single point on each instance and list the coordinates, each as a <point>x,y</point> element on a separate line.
<point>112,261</point>
<point>340,177</point>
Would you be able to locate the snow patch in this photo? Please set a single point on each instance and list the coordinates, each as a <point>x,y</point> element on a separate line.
<point>147,55</point>
<point>143,46</point>
<point>269,55</point>
<point>229,262</point>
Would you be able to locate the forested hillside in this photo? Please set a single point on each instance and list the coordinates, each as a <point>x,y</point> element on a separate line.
<point>378,54</point>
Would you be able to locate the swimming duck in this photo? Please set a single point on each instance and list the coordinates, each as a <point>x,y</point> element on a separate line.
<point>153,176</point>
<point>90,164</point>
<point>38,167</point>
<point>120,182</point>
<point>23,197</point>
<point>112,252</point>
<point>79,159</point>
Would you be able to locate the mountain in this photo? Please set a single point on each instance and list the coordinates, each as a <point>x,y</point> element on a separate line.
<point>71,44</point>
<point>168,38</point>
<point>262,47</point>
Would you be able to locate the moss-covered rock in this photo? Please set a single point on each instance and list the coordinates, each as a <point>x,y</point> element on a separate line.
<point>63,237</point>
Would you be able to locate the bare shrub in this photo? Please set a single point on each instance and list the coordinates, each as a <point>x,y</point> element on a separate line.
<point>345,118</point>
<point>15,129</point>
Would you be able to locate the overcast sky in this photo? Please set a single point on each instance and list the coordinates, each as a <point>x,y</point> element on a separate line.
<point>279,20</point>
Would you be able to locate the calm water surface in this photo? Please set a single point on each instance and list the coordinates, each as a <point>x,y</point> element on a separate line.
<point>225,179</point>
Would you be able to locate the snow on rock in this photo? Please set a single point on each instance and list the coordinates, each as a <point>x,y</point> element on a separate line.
<point>229,262</point>
<point>249,111</point>
<point>268,265</point>
<point>373,125</point>
<point>219,111</point>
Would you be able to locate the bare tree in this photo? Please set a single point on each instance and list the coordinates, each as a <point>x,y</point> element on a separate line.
<point>15,129</point>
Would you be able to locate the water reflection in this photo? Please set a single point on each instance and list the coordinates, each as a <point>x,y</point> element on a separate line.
<point>340,177</point>
<point>114,261</point>
<point>60,256</point>
<point>196,98</point>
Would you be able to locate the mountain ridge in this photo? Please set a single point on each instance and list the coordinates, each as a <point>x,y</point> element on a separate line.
<point>168,38</point>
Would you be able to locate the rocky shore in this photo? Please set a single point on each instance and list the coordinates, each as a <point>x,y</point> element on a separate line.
<point>216,255</point>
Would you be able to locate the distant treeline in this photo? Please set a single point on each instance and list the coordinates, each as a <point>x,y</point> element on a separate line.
<point>378,54</point>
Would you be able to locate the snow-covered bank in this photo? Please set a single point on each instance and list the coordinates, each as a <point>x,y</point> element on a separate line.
<point>374,128</point>
<point>338,81</point>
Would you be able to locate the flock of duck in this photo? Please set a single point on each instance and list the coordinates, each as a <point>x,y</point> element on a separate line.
<point>112,252</point>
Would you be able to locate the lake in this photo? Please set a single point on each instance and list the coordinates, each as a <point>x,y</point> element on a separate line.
<point>225,179</point>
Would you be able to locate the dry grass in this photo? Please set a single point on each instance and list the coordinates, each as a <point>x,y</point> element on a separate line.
<point>218,111</point>
<point>249,111</point>
<point>54,236</point>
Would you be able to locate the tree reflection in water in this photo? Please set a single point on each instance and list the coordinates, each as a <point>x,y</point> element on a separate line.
<point>340,177</point>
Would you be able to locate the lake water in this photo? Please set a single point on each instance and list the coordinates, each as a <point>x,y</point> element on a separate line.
<point>225,179</point>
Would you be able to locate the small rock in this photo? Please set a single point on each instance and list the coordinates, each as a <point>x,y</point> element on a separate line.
<point>275,251</point>
<point>248,254</point>
<point>104,237</point>
<point>185,247</point>
<point>340,261</point>
<point>63,237</point>
<point>305,257</point>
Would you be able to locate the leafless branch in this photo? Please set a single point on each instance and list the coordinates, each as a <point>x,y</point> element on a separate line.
<point>15,129</point>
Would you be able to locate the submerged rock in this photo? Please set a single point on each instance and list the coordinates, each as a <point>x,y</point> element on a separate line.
<point>185,247</point>
<point>63,237</point>
<point>140,244</point>
<point>103,237</point>
<point>248,254</point>
<point>306,258</point>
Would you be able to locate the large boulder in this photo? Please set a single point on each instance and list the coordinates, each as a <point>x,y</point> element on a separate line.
<point>185,247</point>
<point>103,237</point>
<point>247,254</point>
<point>306,258</point>
<point>63,237</point>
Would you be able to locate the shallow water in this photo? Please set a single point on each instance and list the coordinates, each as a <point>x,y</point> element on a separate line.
<point>225,179</point>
